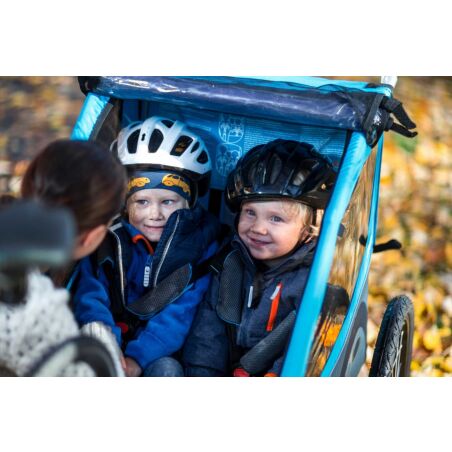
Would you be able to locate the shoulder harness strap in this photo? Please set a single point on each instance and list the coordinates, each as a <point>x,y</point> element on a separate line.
<point>260,357</point>
<point>105,257</point>
<point>170,288</point>
<point>230,297</point>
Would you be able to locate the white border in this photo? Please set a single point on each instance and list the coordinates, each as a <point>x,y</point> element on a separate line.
<point>227,37</point>
<point>225,414</point>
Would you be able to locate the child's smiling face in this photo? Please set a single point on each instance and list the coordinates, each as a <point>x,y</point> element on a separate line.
<point>270,229</point>
<point>149,210</point>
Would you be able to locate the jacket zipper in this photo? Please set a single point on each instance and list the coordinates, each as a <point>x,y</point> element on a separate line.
<point>165,251</point>
<point>121,270</point>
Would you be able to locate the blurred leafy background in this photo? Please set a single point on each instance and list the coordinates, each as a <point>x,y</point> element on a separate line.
<point>415,197</point>
<point>415,208</point>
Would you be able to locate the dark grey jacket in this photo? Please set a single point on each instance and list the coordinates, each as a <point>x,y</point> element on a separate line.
<point>234,316</point>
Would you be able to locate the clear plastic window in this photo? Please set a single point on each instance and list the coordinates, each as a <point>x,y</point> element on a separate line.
<point>347,260</point>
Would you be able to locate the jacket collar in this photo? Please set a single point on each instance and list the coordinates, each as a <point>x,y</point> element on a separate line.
<point>137,236</point>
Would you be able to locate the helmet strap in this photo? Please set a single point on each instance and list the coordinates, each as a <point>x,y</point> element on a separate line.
<point>314,216</point>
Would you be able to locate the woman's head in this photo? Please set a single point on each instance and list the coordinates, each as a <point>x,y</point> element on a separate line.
<point>83,177</point>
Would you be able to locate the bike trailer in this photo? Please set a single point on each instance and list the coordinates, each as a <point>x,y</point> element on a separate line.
<point>343,120</point>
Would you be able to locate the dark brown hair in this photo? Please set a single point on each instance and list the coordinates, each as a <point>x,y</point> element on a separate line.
<point>81,176</point>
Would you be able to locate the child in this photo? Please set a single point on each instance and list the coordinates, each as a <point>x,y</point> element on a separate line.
<point>277,188</point>
<point>141,283</point>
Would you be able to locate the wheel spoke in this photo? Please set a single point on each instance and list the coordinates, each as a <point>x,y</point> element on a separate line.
<point>397,363</point>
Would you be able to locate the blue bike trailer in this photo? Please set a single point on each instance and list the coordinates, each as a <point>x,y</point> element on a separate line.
<point>343,120</point>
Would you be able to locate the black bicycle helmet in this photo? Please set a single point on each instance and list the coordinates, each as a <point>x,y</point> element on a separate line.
<point>281,169</point>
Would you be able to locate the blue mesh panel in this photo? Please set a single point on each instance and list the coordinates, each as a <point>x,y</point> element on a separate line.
<point>228,137</point>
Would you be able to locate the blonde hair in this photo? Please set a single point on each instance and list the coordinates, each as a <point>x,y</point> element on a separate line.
<point>306,214</point>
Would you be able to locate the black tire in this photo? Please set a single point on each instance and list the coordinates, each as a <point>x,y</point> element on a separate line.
<point>82,349</point>
<point>392,355</point>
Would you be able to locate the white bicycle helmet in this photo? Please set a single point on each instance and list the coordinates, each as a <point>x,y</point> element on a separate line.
<point>165,144</point>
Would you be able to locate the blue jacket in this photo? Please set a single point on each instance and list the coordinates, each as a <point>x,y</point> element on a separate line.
<point>189,237</point>
<point>221,334</point>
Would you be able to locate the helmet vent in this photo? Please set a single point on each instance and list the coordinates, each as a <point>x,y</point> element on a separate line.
<point>181,145</point>
<point>155,141</point>
<point>252,176</point>
<point>298,178</point>
<point>132,142</point>
<point>261,173</point>
<point>168,123</point>
<point>203,157</point>
<point>275,169</point>
<point>196,146</point>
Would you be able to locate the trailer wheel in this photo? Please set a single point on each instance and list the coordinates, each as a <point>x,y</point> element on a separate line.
<point>392,355</point>
<point>82,349</point>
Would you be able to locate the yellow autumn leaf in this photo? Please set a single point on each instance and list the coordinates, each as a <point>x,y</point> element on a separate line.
<point>433,361</point>
<point>447,364</point>
<point>416,339</point>
<point>385,180</point>
<point>449,254</point>
<point>391,257</point>
<point>391,221</point>
<point>444,332</point>
<point>432,339</point>
<point>18,99</point>
<point>446,320</point>
<point>425,153</point>
<point>419,304</point>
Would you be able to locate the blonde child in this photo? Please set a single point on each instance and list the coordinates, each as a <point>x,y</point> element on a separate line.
<point>140,281</point>
<point>278,190</point>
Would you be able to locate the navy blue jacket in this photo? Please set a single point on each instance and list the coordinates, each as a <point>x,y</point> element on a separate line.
<point>189,237</point>
<point>207,350</point>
